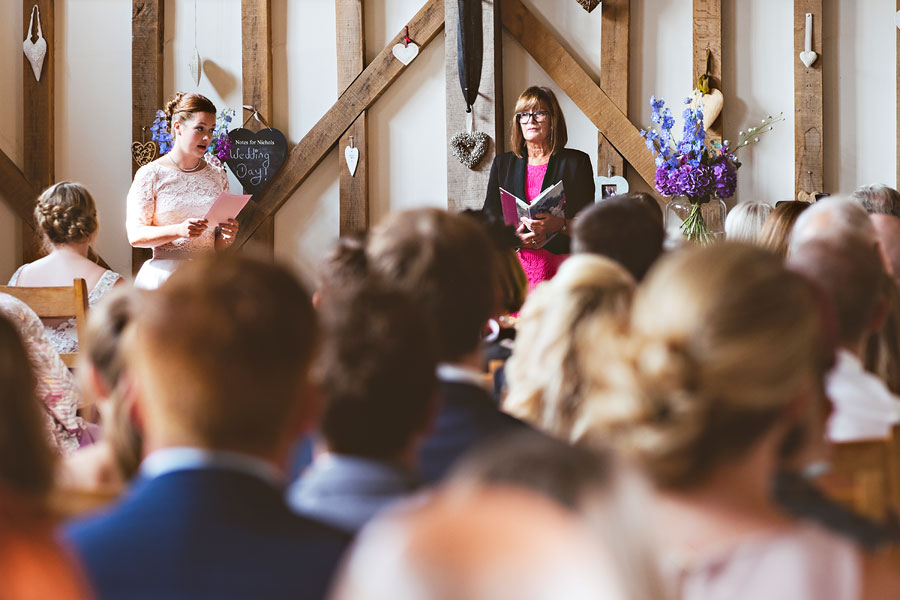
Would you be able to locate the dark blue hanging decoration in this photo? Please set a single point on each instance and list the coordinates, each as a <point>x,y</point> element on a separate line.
<point>470,49</point>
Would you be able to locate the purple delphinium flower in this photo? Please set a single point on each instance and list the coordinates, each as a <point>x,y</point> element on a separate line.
<point>725,175</point>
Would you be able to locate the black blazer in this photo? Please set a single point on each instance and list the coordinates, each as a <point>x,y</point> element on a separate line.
<point>572,166</point>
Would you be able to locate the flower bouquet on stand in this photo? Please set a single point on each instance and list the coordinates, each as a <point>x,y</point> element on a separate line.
<point>219,146</point>
<point>696,173</point>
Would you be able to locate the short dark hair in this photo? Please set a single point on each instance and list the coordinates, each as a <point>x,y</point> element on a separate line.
<point>850,272</point>
<point>224,347</point>
<point>377,370</point>
<point>443,261</point>
<point>623,228</point>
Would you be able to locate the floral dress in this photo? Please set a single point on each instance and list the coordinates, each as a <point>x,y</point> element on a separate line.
<point>55,386</point>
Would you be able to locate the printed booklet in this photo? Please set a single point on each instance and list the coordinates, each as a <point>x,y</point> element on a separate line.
<point>551,201</point>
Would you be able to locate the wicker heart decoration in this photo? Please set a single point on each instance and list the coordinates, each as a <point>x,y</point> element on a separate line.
<point>589,5</point>
<point>143,152</point>
<point>469,148</point>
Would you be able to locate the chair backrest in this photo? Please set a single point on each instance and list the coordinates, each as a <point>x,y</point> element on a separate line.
<point>56,302</point>
<point>861,477</point>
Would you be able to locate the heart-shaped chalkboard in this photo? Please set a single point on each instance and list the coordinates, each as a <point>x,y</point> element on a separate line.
<point>255,157</point>
<point>469,148</point>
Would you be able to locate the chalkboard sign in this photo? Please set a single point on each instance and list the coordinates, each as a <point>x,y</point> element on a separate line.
<point>255,157</point>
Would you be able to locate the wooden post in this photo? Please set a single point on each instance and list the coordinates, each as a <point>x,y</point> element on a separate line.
<point>351,49</point>
<point>38,115</point>
<point>614,74</point>
<point>897,132</point>
<point>256,76</point>
<point>146,81</point>
<point>808,125</point>
<point>708,36</point>
<point>466,187</point>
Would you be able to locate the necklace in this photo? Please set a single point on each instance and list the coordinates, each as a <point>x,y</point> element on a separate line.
<point>191,170</point>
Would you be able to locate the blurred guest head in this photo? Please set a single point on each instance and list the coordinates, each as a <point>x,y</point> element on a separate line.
<point>878,199</point>
<point>377,372</point>
<point>220,356</point>
<point>585,306</point>
<point>832,218</point>
<point>887,229</point>
<point>725,346</point>
<point>444,262</point>
<point>512,283</point>
<point>624,228</point>
<point>776,231</point>
<point>478,543</point>
<point>745,221</point>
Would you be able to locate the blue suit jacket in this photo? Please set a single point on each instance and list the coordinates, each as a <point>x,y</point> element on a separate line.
<point>468,417</point>
<point>206,533</point>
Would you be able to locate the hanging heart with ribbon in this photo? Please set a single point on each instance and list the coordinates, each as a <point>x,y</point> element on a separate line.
<point>144,152</point>
<point>406,50</point>
<point>711,99</point>
<point>351,155</point>
<point>35,51</point>
<point>256,156</point>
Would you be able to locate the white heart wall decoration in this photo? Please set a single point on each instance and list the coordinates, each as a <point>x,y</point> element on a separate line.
<point>808,57</point>
<point>607,187</point>
<point>35,51</point>
<point>351,155</point>
<point>712,104</point>
<point>406,54</point>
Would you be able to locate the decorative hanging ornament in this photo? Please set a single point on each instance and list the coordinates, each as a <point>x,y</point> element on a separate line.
<point>255,156</point>
<point>711,99</point>
<point>406,50</point>
<point>808,57</point>
<point>194,65</point>
<point>351,155</point>
<point>35,51</point>
<point>589,5</point>
<point>469,147</point>
<point>470,49</point>
<point>144,152</point>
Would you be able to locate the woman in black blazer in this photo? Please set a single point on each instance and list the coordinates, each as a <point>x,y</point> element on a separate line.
<point>539,160</point>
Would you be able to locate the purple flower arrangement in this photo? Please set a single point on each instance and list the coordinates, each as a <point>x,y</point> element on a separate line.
<point>220,145</point>
<point>695,167</point>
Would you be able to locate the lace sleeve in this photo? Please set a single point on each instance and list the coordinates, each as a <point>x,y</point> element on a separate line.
<point>55,386</point>
<point>141,201</point>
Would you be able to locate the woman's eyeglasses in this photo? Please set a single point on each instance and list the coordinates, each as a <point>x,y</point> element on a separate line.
<point>538,116</point>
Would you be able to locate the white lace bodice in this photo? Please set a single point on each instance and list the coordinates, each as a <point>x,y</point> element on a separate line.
<point>163,196</point>
<point>64,336</point>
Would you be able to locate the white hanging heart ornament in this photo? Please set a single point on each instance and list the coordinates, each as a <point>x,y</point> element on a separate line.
<point>195,67</point>
<point>351,155</point>
<point>469,148</point>
<point>713,102</point>
<point>808,57</point>
<point>35,51</point>
<point>407,53</point>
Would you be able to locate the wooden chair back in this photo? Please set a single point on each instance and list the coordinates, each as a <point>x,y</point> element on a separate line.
<point>861,477</point>
<point>54,303</point>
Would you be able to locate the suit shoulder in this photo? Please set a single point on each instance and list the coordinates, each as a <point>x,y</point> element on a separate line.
<point>573,155</point>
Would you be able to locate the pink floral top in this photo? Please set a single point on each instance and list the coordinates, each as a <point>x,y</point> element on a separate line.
<point>539,265</point>
<point>55,385</point>
<point>160,195</point>
<point>534,179</point>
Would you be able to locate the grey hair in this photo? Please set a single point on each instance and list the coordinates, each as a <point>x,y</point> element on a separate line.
<point>745,221</point>
<point>832,218</point>
<point>878,199</point>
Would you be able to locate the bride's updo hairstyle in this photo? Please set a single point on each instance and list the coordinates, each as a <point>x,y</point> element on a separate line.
<point>183,106</point>
<point>723,340</point>
<point>65,213</point>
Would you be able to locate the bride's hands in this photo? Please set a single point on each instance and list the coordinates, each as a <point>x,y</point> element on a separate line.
<point>191,228</point>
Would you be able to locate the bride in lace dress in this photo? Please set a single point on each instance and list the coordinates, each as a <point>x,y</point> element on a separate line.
<point>170,196</point>
<point>67,218</point>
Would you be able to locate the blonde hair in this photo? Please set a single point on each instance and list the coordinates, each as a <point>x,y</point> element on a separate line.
<point>746,220</point>
<point>722,340</point>
<point>66,213</point>
<point>585,304</point>
<point>532,98</point>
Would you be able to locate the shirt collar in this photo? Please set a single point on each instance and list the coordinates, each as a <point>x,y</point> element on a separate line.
<point>182,458</point>
<point>459,374</point>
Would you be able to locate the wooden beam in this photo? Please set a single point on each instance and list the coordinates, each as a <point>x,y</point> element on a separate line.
<point>351,60</point>
<point>808,121</point>
<point>614,74</point>
<point>38,166</point>
<point>708,36</point>
<point>146,81</point>
<point>17,192</point>
<point>361,94</point>
<point>897,123</point>
<point>580,87</point>
<point>256,77</point>
<point>465,187</point>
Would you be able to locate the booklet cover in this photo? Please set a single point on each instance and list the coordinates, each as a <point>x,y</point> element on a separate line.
<point>227,206</point>
<point>551,201</point>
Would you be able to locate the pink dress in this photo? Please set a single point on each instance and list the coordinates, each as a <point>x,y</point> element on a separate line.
<point>539,265</point>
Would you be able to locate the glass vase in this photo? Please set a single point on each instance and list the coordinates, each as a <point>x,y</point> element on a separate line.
<point>696,220</point>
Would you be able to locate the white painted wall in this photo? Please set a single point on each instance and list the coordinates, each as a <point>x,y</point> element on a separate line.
<point>407,145</point>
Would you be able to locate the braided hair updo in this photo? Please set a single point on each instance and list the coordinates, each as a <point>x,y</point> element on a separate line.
<point>182,107</point>
<point>66,213</point>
